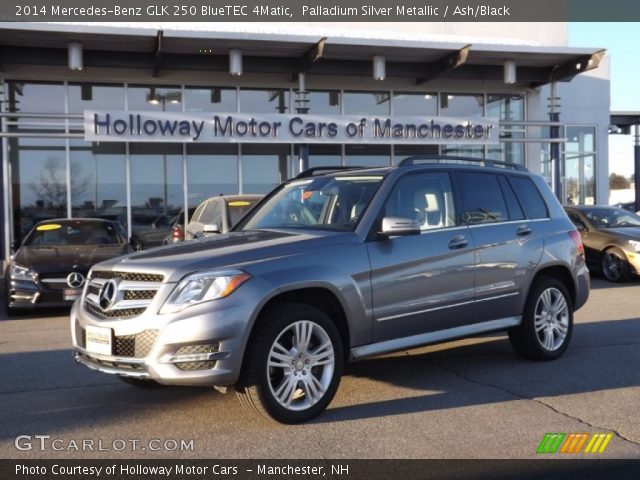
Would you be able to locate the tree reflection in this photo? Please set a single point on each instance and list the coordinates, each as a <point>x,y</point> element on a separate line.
<point>51,184</point>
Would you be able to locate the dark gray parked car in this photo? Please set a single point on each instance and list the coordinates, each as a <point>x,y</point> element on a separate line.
<point>335,266</point>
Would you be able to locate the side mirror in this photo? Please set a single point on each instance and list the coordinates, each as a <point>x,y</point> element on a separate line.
<point>135,244</point>
<point>15,245</point>
<point>211,229</point>
<point>581,227</point>
<point>392,226</point>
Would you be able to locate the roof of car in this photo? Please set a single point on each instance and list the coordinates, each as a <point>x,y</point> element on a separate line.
<point>75,220</point>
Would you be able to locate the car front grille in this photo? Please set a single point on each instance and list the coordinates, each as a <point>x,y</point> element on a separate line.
<point>134,293</point>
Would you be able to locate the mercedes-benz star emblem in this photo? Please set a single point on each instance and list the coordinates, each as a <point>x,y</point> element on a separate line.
<point>75,280</point>
<point>107,295</point>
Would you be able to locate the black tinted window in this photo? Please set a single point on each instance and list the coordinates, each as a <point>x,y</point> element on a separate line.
<point>483,200</point>
<point>515,211</point>
<point>530,197</point>
<point>75,233</point>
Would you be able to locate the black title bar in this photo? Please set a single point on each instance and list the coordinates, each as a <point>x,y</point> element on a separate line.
<point>319,10</point>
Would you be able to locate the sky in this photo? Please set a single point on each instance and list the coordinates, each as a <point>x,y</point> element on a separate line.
<point>620,40</point>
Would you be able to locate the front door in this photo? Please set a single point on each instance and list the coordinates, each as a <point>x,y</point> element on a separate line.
<point>421,283</point>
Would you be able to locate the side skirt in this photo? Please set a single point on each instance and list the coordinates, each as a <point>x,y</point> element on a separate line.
<point>439,336</point>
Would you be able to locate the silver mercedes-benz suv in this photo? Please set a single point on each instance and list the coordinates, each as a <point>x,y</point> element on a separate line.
<point>337,265</point>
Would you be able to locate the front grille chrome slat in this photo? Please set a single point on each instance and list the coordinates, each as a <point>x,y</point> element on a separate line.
<point>135,292</point>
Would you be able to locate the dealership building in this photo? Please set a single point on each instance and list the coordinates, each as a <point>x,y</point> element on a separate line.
<point>137,122</point>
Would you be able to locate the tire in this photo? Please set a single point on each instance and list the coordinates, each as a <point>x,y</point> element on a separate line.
<point>615,266</point>
<point>140,382</point>
<point>540,336</point>
<point>292,337</point>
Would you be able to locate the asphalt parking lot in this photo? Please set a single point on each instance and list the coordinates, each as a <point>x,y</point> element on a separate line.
<point>466,399</point>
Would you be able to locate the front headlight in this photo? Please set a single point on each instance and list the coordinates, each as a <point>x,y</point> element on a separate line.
<point>635,244</point>
<point>17,272</point>
<point>202,287</point>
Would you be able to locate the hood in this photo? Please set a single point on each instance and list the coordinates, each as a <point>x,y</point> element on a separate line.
<point>63,258</point>
<point>631,233</point>
<point>228,250</point>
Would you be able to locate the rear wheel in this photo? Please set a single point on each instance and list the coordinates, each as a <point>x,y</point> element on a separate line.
<point>615,267</point>
<point>547,322</point>
<point>294,364</point>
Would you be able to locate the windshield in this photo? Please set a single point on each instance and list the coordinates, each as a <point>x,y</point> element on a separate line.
<point>61,234</point>
<point>612,218</point>
<point>330,203</point>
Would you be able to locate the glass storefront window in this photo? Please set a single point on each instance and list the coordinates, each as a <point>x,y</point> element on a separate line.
<point>324,102</point>
<point>214,99</point>
<point>264,101</point>
<point>366,103</point>
<point>506,107</point>
<point>367,155</point>
<point>461,105</point>
<point>415,103</point>
<point>463,150</point>
<point>38,182</point>
<point>264,166</point>
<point>212,169</point>
<point>160,99</point>
<point>156,190</point>
<point>400,152</point>
<point>98,180</point>
<point>325,155</point>
<point>35,97</point>
<point>579,167</point>
<point>88,96</point>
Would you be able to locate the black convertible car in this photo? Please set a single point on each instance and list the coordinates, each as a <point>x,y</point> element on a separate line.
<point>611,239</point>
<point>50,267</point>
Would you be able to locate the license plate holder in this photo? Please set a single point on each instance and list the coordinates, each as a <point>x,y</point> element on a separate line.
<point>70,294</point>
<point>99,340</point>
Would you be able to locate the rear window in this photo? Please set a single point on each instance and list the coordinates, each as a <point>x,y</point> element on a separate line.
<point>60,234</point>
<point>530,198</point>
<point>237,209</point>
<point>482,197</point>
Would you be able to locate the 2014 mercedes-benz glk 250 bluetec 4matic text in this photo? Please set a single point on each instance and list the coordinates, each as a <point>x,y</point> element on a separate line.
<point>337,265</point>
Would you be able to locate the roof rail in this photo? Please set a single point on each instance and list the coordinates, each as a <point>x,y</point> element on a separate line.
<point>447,159</point>
<point>311,172</point>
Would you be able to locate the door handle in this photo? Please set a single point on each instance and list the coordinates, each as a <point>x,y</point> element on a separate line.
<point>523,230</point>
<point>459,241</point>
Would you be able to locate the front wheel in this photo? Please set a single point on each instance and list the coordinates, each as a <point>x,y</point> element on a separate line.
<point>294,364</point>
<point>547,322</point>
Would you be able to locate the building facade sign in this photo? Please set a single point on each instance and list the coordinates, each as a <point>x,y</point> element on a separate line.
<point>129,126</point>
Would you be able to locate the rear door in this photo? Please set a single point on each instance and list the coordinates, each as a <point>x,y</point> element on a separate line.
<point>421,283</point>
<point>506,248</point>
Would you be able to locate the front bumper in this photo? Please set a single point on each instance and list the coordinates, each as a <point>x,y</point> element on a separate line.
<point>29,295</point>
<point>634,260</point>
<point>202,345</point>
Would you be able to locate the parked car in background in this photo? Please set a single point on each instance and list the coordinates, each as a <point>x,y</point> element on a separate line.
<point>176,228</point>
<point>340,265</point>
<point>611,237</point>
<point>149,229</point>
<point>218,214</point>
<point>630,206</point>
<point>50,267</point>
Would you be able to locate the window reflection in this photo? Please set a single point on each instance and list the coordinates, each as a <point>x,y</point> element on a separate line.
<point>324,102</point>
<point>89,96</point>
<point>99,173</point>
<point>367,155</point>
<point>461,105</point>
<point>214,99</point>
<point>264,101</point>
<point>160,99</point>
<point>39,190</point>
<point>263,166</point>
<point>366,103</point>
<point>212,169</point>
<point>415,103</point>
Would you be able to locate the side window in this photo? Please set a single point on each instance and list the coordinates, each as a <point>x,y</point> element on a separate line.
<point>530,198</point>
<point>207,214</point>
<point>425,197</point>
<point>482,197</point>
<point>217,214</point>
<point>513,206</point>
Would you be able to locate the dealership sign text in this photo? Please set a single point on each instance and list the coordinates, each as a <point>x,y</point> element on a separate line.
<point>284,128</point>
